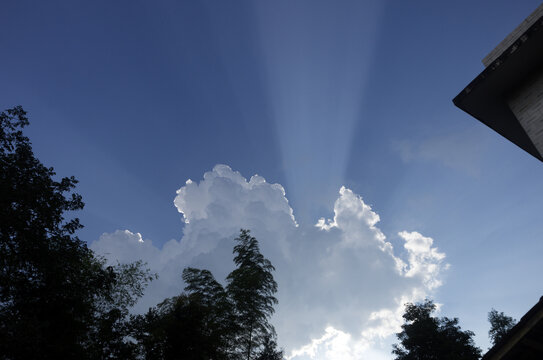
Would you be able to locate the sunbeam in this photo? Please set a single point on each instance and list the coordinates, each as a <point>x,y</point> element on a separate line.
<point>316,84</point>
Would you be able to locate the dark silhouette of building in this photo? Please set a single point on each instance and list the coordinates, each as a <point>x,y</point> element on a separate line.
<point>508,95</point>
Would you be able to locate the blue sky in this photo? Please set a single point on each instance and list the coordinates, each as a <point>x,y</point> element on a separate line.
<point>134,98</point>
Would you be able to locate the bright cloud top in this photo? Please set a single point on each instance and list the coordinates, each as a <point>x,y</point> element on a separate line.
<point>341,285</point>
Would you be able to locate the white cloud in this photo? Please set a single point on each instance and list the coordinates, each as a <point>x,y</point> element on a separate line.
<point>424,260</point>
<point>461,151</point>
<point>341,285</point>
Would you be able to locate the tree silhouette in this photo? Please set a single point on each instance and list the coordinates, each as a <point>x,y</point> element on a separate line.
<point>269,350</point>
<point>57,300</point>
<point>211,322</point>
<point>183,327</point>
<point>500,324</point>
<point>251,287</point>
<point>426,337</point>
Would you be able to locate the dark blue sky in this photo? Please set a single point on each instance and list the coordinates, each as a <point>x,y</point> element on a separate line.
<point>160,92</point>
<point>133,98</point>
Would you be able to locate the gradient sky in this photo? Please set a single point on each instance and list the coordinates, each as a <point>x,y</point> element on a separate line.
<point>134,98</point>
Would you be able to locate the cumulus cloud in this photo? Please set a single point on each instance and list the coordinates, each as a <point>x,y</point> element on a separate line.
<point>342,285</point>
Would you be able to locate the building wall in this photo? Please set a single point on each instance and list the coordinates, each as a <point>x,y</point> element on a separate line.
<point>527,105</point>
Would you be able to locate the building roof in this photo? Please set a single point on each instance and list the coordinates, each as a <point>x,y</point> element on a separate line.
<point>514,62</point>
<point>513,36</point>
<point>524,340</point>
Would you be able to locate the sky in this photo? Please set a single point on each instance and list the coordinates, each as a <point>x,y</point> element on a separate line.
<point>325,127</point>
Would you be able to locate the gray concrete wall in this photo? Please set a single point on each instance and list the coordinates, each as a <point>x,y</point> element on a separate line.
<point>527,105</point>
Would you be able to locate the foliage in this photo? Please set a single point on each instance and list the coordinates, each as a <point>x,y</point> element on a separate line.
<point>269,350</point>
<point>59,301</point>
<point>426,337</point>
<point>181,327</point>
<point>251,287</point>
<point>189,326</point>
<point>500,324</point>
<point>112,324</point>
<point>56,298</point>
<point>211,322</point>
